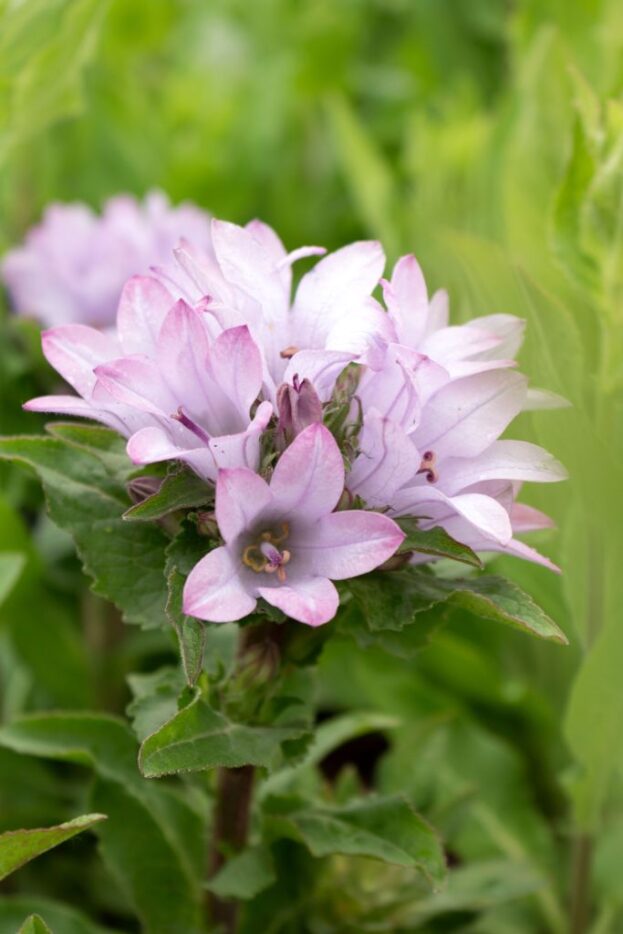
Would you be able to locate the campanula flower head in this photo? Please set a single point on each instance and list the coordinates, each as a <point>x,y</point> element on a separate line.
<point>320,417</point>
<point>74,264</point>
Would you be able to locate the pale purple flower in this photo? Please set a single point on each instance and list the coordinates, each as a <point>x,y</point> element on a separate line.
<point>164,381</point>
<point>283,541</point>
<point>446,465</point>
<point>74,264</point>
<point>331,320</point>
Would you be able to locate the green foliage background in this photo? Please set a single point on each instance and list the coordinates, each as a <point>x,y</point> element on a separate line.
<point>486,137</point>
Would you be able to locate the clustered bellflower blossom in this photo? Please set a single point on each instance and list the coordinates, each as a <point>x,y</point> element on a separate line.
<point>74,264</point>
<point>321,417</point>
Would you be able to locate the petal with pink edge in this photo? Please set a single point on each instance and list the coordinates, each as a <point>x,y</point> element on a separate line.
<point>311,600</point>
<point>143,307</point>
<point>214,591</point>
<point>483,512</point>
<point>70,405</point>
<point>406,297</point>
<point>182,353</point>
<point>241,496</point>
<point>153,444</point>
<point>136,381</point>
<point>346,544</point>
<point>309,477</point>
<point>341,280</point>
<point>75,350</point>
<point>528,519</point>
<point>236,365</point>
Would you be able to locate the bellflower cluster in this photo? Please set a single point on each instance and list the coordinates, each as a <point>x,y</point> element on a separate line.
<point>320,417</point>
<point>73,265</point>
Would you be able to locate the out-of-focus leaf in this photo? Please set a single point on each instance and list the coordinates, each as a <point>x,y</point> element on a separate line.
<point>566,215</point>
<point>475,889</point>
<point>43,53</point>
<point>386,828</point>
<point>34,925</point>
<point>368,175</point>
<point>328,736</point>
<point>435,542</point>
<point>153,840</point>
<point>199,737</point>
<point>18,847</point>
<point>155,699</point>
<point>11,566</point>
<point>245,875</point>
<point>62,919</point>
<point>126,560</point>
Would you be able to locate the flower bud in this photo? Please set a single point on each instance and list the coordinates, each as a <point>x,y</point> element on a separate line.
<point>298,406</point>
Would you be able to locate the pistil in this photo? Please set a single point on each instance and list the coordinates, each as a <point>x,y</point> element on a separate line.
<point>180,416</point>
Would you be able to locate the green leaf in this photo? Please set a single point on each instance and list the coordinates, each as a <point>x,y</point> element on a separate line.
<point>385,828</point>
<point>125,560</point>
<point>244,875</point>
<point>153,840</point>
<point>180,489</point>
<point>435,542</point>
<point>399,611</point>
<point>155,699</point>
<point>34,925</point>
<point>18,847</point>
<point>199,738</point>
<point>392,599</point>
<point>502,601</point>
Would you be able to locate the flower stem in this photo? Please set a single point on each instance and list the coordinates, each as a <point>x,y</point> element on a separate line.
<point>231,827</point>
<point>580,884</point>
<point>258,661</point>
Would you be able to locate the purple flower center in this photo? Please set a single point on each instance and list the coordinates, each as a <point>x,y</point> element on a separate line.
<point>428,466</point>
<point>264,555</point>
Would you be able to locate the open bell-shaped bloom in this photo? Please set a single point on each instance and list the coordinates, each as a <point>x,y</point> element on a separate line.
<point>73,265</point>
<point>331,320</point>
<point>283,541</point>
<point>448,470</point>
<point>164,382</point>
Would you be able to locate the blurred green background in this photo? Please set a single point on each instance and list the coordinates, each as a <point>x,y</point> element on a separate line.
<point>486,136</point>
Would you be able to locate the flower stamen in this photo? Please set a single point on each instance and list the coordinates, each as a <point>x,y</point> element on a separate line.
<point>428,466</point>
<point>263,555</point>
